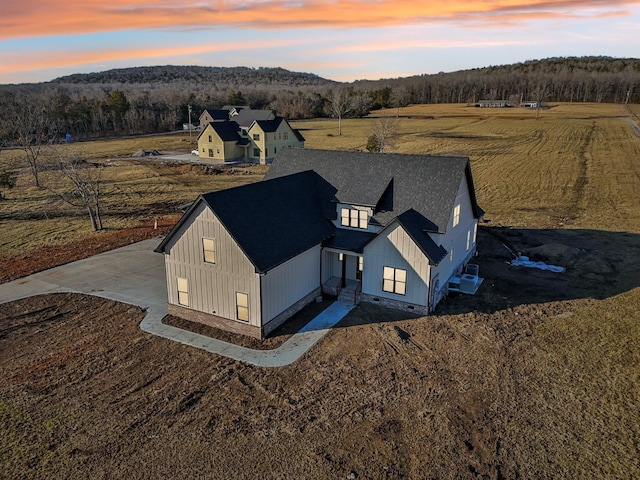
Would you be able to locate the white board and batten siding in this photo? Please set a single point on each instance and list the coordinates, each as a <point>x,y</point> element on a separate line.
<point>395,248</point>
<point>212,287</point>
<point>289,282</point>
<point>455,238</point>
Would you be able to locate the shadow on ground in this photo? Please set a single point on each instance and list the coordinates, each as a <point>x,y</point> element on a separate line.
<point>597,264</point>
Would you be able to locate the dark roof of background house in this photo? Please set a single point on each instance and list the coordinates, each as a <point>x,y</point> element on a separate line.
<point>272,125</point>
<point>298,135</point>
<point>227,131</point>
<point>394,183</point>
<point>246,117</point>
<point>218,115</point>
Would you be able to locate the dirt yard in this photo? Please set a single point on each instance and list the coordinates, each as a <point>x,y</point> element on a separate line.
<point>535,377</point>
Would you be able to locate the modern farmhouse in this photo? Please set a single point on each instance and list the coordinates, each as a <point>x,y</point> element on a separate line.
<point>243,134</point>
<point>387,228</point>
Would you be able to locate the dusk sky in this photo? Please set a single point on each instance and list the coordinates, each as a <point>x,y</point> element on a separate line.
<point>342,40</point>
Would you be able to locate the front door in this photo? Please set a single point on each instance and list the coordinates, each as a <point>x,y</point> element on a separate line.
<point>359,265</point>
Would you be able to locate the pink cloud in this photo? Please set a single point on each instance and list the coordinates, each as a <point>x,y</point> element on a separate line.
<point>26,18</point>
<point>36,61</point>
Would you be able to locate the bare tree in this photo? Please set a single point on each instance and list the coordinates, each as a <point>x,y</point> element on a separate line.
<point>540,93</point>
<point>340,104</point>
<point>32,132</point>
<point>383,133</point>
<point>85,179</point>
<point>7,177</point>
<point>400,98</point>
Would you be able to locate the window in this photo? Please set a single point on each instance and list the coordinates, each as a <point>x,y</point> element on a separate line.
<point>360,263</point>
<point>183,292</point>
<point>210,138</point>
<point>341,257</point>
<point>456,215</point>
<point>209,250</point>
<point>475,232</point>
<point>256,137</point>
<point>394,280</point>
<point>242,306</point>
<point>451,255</point>
<point>285,135</point>
<point>350,217</point>
<point>266,152</point>
<point>218,151</point>
<point>211,152</point>
<point>468,239</point>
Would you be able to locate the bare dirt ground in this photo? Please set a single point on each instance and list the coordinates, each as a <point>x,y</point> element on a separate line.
<point>535,377</point>
<point>518,381</point>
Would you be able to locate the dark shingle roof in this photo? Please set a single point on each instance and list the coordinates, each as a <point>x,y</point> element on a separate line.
<point>227,131</point>
<point>268,126</point>
<point>218,115</point>
<point>417,227</point>
<point>271,222</point>
<point>289,212</point>
<point>246,117</point>
<point>394,183</point>
<point>298,135</point>
<point>350,240</point>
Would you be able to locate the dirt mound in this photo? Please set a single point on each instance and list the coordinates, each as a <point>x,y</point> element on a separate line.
<point>146,153</point>
<point>555,253</point>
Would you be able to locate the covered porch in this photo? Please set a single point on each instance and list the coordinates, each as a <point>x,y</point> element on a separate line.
<point>349,293</point>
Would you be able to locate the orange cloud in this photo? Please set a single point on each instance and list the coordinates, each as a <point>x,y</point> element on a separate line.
<point>32,62</point>
<point>26,18</point>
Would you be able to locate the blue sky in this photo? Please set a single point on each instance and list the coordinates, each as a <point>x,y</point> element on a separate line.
<point>342,40</point>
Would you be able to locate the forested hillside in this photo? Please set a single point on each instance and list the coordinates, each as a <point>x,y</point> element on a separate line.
<point>157,99</point>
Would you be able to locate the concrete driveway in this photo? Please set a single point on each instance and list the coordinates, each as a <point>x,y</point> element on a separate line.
<point>135,275</point>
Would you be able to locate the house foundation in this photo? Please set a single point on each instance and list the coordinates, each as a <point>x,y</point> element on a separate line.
<point>242,328</point>
<point>396,304</point>
<point>215,321</point>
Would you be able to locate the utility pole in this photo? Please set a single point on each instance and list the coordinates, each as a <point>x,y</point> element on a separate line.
<point>189,107</point>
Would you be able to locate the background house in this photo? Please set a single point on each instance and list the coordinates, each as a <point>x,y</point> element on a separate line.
<point>392,229</point>
<point>258,141</point>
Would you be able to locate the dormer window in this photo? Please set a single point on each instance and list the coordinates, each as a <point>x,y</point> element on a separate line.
<point>350,217</point>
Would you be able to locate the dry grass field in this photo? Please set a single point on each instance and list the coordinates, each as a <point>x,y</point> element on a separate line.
<point>574,166</point>
<point>537,376</point>
<point>137,193</point>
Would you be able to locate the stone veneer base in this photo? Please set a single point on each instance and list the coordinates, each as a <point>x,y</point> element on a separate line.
<point>289,312</point>
<point>215,321</point>
<point>396,304</point>
<point>242,328</point>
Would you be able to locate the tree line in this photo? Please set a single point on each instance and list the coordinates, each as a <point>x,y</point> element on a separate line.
<point>157,99</point>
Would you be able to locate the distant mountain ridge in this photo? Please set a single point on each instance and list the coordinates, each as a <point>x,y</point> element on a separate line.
<point>169,74</point>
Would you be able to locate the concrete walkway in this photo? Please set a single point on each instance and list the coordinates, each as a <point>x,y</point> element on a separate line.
<point>135,275</point>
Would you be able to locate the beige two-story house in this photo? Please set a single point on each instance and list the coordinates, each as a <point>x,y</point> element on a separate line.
<point>259,142</point>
